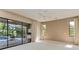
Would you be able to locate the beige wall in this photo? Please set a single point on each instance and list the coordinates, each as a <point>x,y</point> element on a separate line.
<point>58,30</point>
<point>35,24</point>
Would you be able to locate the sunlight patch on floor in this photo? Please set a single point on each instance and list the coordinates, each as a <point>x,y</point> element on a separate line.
<point>69,46</point>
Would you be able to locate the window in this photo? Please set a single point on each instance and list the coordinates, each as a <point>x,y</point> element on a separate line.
<point>72,28</point>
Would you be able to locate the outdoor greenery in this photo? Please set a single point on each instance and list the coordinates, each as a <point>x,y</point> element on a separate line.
<point>72,28</point>
<point>3,29</point>
<point>72,32</point>
<point>13,30</point>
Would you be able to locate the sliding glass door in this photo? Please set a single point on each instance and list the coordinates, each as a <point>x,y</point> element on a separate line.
<point>14,33</point>
<point>3,33</point>
<point>72,30</point>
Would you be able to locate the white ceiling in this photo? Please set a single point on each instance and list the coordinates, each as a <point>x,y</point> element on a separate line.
<point>43,15</point>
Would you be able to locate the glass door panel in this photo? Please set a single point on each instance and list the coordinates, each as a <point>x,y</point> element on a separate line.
<point>72,30</point>
<point>18,34</point>
<point>14,33</point>
<point>25,34</point>
<point>3,33</point>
